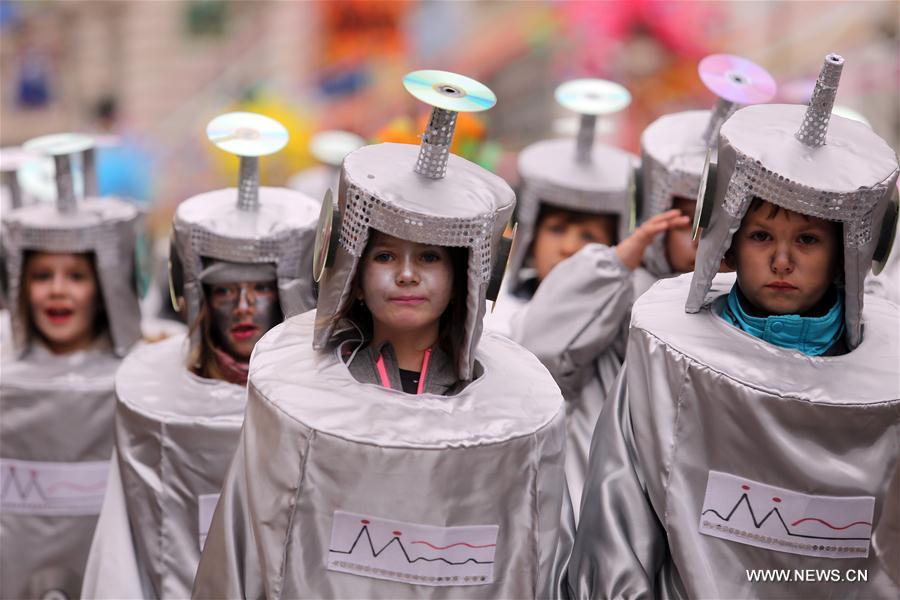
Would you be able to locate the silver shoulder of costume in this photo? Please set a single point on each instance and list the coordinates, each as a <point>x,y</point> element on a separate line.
<point>751,456</point>
<point>363,491</point>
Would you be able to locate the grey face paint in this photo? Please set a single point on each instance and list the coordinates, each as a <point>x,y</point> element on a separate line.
<point>242,313</point>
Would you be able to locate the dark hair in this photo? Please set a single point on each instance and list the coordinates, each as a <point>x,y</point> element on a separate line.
<point>101,323</point>
<point>201,360</point>
<point>450,332</point>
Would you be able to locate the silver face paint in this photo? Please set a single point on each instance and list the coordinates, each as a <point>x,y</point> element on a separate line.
<point>242,313</point>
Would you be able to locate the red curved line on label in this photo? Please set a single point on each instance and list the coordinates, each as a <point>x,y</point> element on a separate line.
<point>467,545</point>
<point>827,524</point>
<point>80,488</point>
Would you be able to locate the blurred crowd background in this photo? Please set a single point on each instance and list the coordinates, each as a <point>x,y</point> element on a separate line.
<point>150,75</point>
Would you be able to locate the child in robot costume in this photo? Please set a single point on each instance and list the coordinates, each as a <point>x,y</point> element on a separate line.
<point>735,437</point>
<point>69,278</point>
<point>240,262</point>
<point>573,192</point>
<point>588,296</point>
<point>398,453</point>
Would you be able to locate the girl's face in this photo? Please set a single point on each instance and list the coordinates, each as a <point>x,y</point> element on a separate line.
<point>785,261</point>
<point>405,285</point>
<point>62,295</point>
<point>242,312</point>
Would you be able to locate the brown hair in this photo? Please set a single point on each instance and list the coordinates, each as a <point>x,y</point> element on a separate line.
<point>201,359</point>
<point>572,217</point>
<point>24,309</point>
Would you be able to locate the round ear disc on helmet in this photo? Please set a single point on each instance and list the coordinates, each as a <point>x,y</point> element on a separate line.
<point>887,234</point>
<point>505,251</point>
<point>705,196</point>
<point>176,279</point>
<point>326,237</point>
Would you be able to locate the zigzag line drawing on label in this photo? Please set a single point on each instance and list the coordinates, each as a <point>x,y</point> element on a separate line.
<point>23,490</point>
<point>774,511</point>
<point>364,531</point>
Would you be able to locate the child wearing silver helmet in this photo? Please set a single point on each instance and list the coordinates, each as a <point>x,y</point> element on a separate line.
<point>733,437</point>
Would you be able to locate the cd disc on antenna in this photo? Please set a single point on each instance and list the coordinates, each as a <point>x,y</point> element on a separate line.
<point>58,144</point>
<point>449,91</point>
<point>330,147</point>
<point>736,79</point>
<point>592,96</point>
<point>247,134</point>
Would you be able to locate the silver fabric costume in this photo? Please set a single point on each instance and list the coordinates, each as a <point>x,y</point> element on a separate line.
<point>719,453</point>
<point>175,431</point>
<point>577,325</point>
<point>587,176</point>
<point>55,442</point>
<point>56,411</point>
<point>316,442</point>
<point>344,488</point>
<point>698,396</point>
<point>175,437</point>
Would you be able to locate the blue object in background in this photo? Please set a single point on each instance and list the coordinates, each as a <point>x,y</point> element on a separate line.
<point>125,171</point>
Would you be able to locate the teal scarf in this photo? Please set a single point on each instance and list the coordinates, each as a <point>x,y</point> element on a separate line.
<point>812,336</point>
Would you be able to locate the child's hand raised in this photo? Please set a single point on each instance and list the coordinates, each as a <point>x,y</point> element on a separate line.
<point>631,250</point>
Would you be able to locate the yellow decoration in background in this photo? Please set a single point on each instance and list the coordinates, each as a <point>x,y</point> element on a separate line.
<point>274,170</point>
<point>467,137</point>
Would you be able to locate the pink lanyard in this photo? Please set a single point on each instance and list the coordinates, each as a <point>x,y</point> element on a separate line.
<point>385,380</point>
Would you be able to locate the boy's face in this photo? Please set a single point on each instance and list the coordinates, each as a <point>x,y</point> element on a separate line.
<point>681,248</point>
<point>785,261</point>
<point>559,236</point>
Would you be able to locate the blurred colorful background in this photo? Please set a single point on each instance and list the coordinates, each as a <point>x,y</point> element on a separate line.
<point>151,74</point>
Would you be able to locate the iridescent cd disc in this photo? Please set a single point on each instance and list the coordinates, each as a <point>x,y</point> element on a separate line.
<point>736,79</point>
<point>592,96</point>
<point>330,147</point>
<point>449,91</point>
<point>247,134</point>
<point>58,144</point>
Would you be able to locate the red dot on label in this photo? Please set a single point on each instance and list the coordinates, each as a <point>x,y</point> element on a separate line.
<point>398,533</point>
<point>745,487</point>
<point>364,521</point>
<point>776,499</point>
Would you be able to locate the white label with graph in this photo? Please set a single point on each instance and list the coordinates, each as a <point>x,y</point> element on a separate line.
<point>412,553</point>
<point>749,512</point>
<point>52,488</point>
